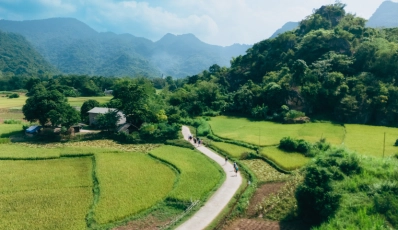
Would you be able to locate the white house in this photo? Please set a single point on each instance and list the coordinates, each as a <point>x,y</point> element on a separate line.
<point>101,110</point>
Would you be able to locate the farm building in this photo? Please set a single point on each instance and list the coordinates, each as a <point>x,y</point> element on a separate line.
<point>32,130</point>
<point>101,110</point>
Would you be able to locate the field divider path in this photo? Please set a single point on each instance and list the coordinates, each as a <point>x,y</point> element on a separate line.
<point>220,199</point>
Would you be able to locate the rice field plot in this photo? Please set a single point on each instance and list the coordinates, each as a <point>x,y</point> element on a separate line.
<point>198,175</point>
<point>10,114</point>
<point>369,140</point>
<point>287,161</point>
<point>232,150</point>
<point>45,194</point>
<point>7,130</point>
<point>264,172</point>
<point>78,101</point>
<point>129,183</point>
<point>6,102</point>
<point>265,133</point>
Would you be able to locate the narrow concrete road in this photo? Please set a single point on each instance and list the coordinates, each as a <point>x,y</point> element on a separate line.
<point>220,198</point>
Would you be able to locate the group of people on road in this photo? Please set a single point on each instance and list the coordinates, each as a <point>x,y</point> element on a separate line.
<point>197,141</point>
<point>236,168</point>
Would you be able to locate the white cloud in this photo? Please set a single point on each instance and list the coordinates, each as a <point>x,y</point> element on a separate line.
<point>221,22</point>
<point>59,5</point>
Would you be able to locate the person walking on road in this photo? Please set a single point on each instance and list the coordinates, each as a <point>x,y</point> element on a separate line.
<point>226,160</point>
<point>236,170</point>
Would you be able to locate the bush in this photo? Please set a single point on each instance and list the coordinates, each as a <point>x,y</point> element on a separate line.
<point>316,198</point>
<point>293,114</point>
<point>13,95</point>
<point>396,143</point>
<point>303,146</point>
<point>260,112</point>
<point>12,121</point>
<point>159,132</point>
<point>288,144</point>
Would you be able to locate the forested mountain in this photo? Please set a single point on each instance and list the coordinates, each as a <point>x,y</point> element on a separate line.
<point>75,48</point>
<point>287,27</point>
<point>332,65</point>
<point>385,16</point>
<point>19,58</point>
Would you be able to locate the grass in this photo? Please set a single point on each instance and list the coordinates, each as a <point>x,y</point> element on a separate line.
<point>48,194</point>
<point>368,140</point>
<point>129,183</point>
<point>7,130</point>
<point>267,133</point>
<point>198,175</point>
<point>287,161</point>
<point>233,150</point>
<point>264,172</point>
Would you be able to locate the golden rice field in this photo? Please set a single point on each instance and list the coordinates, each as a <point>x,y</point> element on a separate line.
<point>267,133</point>
<point>198,174</point>
<point>45,194</point>
<point>232,150</point>
<point>43,187</point>
<point>129,183</point>
<point>287,161</point>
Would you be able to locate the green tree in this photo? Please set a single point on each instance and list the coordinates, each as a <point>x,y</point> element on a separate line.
<point>49,107</point>
<point>108,121</point>
<point>87,106</point>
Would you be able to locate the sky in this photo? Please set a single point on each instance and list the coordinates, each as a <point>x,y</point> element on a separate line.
<point>218,22</point>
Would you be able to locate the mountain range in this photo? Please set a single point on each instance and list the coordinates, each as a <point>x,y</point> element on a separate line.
<point>385,16</point>
<point>75,48</point>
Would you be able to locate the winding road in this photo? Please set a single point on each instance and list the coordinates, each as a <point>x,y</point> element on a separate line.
<point>220,198</point>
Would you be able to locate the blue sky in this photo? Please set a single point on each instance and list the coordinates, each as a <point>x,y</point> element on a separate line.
<point>219,22</point>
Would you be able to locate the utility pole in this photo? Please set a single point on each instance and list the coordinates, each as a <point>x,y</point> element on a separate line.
<point>384,146</point>
<point>259,136</point>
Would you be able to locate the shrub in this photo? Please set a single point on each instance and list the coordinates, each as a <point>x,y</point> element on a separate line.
<point>159,132</point>
<point>288,144</point>
<point>260,112</point>
<point>13,95</point>
<point>303,146</point>
<point>396,143</point>
<point>12,121</point>
<point>293,114</point>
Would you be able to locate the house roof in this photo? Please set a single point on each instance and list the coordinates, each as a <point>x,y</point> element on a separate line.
<point>33,129</point>
<point>100,110</point>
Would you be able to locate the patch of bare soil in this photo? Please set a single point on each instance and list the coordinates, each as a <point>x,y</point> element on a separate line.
<point>257,224</point>
<point>148,223</point>
<point>261,193</point>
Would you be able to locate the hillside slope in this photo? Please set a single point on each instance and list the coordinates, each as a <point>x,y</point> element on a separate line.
<point>19,58</point>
